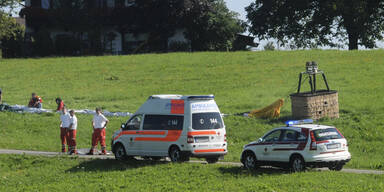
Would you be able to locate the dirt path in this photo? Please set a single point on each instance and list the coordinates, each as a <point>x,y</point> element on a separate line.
<point>82,154</point>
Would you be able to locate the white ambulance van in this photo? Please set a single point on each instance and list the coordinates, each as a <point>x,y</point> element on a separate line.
<point>174,126</point>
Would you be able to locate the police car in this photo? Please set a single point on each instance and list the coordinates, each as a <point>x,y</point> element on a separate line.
<point>298,145</point>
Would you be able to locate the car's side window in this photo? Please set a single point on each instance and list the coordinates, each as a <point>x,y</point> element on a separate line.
<point>134,123</point>
<point>163,122</point>
<point>272,137</point>
<point>301,136</point>
<point>290,135</point>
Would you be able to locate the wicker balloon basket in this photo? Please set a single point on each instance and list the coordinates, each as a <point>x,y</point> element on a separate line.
<point>315,105</point>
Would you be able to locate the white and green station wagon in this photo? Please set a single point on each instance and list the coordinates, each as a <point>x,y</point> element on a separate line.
<point>298,145</point>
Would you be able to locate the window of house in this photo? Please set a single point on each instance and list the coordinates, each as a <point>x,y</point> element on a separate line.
<point>110,3</point>
<point>120,3</point>
<point>35,3</point>
<point>129,3</point>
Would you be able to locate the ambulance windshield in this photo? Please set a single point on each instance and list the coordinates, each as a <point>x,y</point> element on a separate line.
<point>205,121</point>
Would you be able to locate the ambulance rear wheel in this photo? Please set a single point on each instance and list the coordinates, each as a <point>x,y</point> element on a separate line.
<point>212,160</point>
<point>176,155</point>
<point>120,153</point>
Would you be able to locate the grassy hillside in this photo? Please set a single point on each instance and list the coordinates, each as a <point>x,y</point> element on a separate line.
<point>241,81</point>
<point>28,173</point>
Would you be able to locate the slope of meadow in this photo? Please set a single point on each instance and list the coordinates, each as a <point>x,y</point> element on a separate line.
<point>240,81</point>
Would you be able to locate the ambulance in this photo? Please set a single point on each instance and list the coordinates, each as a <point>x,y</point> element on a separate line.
<point>174,126</point>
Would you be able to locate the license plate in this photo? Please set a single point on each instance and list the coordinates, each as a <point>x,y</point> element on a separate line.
<point>202,139</point>
<point>333,146</point>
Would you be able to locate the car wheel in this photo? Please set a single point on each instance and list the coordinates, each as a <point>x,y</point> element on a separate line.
<point>212,160</point>
<point>155,158</point>
<point>120,153</point>
<point>175,154</point>
<point>297,164</point>
<point>249,161</point>
<point>336,167</point>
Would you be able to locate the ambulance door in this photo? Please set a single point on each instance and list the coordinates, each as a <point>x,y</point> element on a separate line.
<point>130,134</point>
<point>158,132</point>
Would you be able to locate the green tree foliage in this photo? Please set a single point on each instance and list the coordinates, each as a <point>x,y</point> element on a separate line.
<point>12,45</point>
<point>11,33</point>
<point>210,25</point>
<point>6,22</point>
<point>319,22</point>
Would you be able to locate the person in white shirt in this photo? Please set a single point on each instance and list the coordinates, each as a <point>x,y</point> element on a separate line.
<point>72,133</point>
<point>64,124</point>
<point>99,124</point>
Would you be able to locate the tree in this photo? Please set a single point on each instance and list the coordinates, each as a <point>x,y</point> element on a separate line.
<point>6,21</point>
<point>318,22</point>
<point>210,25</point>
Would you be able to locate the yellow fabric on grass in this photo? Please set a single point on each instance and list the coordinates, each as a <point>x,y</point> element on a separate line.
<point>271,111</point>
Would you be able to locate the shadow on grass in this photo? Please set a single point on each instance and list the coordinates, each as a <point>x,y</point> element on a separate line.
<point>256,172</point>
<point>105,165</point>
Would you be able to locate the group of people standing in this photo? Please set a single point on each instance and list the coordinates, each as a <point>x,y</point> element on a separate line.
<point>68,126</point>
<point>68,129</point>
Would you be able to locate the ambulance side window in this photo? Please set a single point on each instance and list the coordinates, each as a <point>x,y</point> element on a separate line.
<point>134,123</point>
<point>163,122</point>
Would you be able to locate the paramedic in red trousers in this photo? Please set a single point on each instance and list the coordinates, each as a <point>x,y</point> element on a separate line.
<point>72,133</point>
<point>99,123</point>
<point>60,104</point>
<point>64,124</point>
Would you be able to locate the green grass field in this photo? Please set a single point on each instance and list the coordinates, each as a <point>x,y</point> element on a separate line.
<point>31,173</point>
<point>240,81</point>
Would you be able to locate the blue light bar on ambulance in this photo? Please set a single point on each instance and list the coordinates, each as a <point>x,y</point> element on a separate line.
<point>201,97</point>
<point>298,122</point>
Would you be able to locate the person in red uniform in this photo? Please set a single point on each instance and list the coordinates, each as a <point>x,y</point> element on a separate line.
<point>65,121</point>
<point>99,124</point>
<point>60,104</point>
<point>72,133</point>
<point>35,102</point>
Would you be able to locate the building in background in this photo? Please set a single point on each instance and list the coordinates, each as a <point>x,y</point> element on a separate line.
<point>89,27</point>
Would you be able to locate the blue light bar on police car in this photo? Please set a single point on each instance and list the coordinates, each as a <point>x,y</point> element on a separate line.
<point>298,122</point>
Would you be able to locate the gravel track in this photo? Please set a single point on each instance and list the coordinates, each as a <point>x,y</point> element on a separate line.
<point>82,154</point>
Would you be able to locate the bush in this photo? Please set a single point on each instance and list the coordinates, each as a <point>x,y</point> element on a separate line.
<point>179,46</point>
<point>13,46</point>
<point>67,45</point>
<point>42,43</point>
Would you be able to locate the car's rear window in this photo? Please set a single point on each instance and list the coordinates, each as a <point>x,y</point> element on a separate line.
<point>327,134</point>
<point>204,121</point>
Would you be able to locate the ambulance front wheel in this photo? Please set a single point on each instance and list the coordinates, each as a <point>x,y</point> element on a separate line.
<point>120,153</point>
<point>176,155</point>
